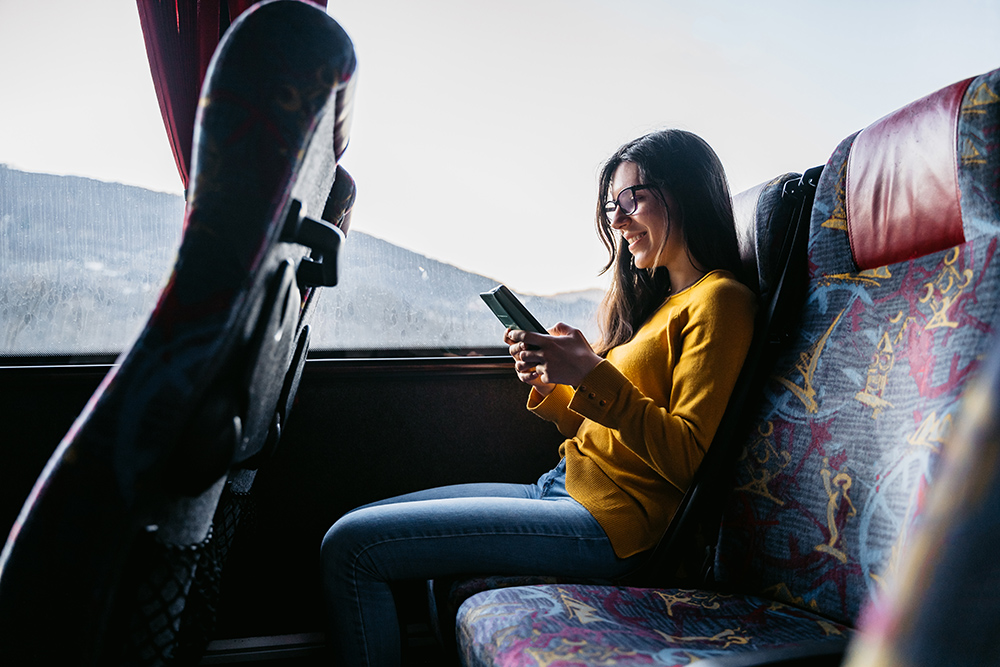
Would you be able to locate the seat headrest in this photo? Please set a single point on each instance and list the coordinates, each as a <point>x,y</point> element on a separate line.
<point>745,214</point>
<point>902,191</point>
<point>762,219</point>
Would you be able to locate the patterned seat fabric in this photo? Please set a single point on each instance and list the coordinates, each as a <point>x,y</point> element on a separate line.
<point>847,437</point>
<point>599,625</point>
<point>944,606</point>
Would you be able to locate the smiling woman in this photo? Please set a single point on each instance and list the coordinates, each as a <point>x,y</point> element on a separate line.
<point>522,98</point>
<point>637,417</point>
<point>669,202</point>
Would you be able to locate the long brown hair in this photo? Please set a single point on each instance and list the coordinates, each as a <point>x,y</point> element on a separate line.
<point>684,165</point>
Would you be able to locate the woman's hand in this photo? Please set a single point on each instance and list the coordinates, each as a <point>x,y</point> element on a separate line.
<point>562,357</point>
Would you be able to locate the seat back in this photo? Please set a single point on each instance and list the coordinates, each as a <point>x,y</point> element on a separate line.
<point>899,310</point>
<point>116,555</point>
<point>766,216</point>
<point>943,605</point>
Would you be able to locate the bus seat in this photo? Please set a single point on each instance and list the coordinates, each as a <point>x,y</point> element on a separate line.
<point>940,606</point>
<point>766,217</point>
<point>763,216</point>
<point>899,311</point>
<point>116,556</point>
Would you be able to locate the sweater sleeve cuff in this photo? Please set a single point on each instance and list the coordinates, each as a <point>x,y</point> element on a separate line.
<point>550,406</point>
<point>598,391</point>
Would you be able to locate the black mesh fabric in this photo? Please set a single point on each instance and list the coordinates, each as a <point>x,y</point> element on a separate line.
<point>176,602</point>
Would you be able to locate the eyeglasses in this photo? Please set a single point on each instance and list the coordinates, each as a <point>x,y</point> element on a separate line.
<point>625,200</point>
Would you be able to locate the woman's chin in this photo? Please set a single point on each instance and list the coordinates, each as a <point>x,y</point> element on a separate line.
<point>642,262</point>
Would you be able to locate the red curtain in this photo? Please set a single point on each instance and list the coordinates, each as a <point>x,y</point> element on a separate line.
<point>181,36</point>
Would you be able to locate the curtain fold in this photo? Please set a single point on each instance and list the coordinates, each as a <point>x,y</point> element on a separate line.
<point>180,37</point>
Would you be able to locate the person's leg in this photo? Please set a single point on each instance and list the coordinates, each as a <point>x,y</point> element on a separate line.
<point>550,484</point>
<point>423,538</point>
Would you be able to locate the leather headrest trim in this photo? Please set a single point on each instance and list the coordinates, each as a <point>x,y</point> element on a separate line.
<point>902,182</point>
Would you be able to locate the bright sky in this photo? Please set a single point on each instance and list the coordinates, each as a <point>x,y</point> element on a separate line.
<point>480,126</point>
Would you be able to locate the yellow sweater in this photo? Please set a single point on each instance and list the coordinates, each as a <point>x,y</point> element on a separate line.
<point>640,422</point>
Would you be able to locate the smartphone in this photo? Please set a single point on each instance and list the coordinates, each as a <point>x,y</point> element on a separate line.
<point>510,311</point>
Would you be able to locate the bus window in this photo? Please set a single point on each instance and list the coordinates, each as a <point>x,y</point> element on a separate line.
<point>478,133</point>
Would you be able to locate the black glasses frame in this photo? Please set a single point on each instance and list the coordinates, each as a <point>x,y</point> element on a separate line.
<point>612,204</point>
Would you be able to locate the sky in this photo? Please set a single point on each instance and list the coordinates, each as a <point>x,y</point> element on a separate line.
<point>480,126</point>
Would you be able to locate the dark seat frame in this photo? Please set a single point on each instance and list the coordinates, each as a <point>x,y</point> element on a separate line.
<point>117,554</point>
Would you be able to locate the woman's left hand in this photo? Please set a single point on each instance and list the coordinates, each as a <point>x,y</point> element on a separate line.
<point>563,357</point>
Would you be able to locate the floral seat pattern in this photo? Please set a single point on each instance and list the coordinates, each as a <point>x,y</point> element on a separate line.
<point>945,606</point>
<point>598,625</point>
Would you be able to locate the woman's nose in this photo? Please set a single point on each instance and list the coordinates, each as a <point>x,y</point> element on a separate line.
<point>618,219</point>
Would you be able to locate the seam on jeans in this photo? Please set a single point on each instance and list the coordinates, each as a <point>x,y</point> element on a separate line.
<point>357,597</point>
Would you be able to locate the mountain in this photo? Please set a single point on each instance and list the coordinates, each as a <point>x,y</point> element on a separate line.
<point>82,262</point>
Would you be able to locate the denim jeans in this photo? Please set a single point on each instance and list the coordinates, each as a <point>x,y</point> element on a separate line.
<point>498,529</point>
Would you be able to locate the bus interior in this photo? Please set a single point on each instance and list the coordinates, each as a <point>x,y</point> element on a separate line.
<point>167,483</point>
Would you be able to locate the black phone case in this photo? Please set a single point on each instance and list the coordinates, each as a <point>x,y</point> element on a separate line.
<point>510,311</point>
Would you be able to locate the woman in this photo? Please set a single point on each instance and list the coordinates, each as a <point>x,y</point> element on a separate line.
<point>638,410</point>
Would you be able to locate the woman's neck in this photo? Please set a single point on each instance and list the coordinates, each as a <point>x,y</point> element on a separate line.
<point>683,277</point>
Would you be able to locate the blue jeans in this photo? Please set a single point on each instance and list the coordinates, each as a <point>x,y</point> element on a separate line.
<point>498,529</point>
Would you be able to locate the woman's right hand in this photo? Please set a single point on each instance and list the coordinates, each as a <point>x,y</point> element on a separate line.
<point>526,373</point>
